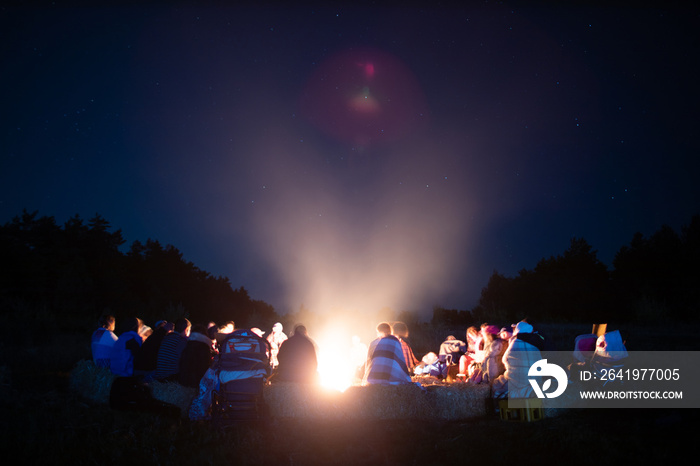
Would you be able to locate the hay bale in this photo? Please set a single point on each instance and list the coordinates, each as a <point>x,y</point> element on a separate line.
<point>292,400</point>
<point>374,402</point>
<point>91,381</point>
<point>437,400</point>
<point>405,401</point>
<point>458,400</point>
<point>175,394</point>
<point>94,383</point>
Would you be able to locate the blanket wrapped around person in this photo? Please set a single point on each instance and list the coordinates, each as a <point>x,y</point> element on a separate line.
<point>385,363</point>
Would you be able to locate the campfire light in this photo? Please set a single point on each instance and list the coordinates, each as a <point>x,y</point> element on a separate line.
<point>334,369</point>
<point>336,365</point>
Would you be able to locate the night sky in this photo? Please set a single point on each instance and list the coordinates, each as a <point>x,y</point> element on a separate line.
<point>354,158</point>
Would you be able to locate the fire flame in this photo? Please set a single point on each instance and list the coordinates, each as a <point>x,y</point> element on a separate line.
<point>334,370</point>
<point>338,363</point>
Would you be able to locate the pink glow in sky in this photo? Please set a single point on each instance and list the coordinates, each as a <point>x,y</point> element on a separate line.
<point>364,97</point>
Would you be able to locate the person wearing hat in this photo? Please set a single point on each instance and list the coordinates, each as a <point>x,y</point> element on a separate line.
<point>275,339</point>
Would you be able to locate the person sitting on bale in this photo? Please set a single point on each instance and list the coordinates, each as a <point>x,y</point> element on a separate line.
<point>126,348</point>
<point>474,341</point>
<point>297,359</point>
<point>168,360</point>
<point>522,353</point>
<point>451,350</point>
<point>103,340</point>
<point>145,360</point>
<point>400,331</point>
<point>275,339</point>
<point>385,361</point>
<point>196,357</point>
<point>494,348</point>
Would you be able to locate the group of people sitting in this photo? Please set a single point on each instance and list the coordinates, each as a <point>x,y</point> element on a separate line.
<point>181,352</point>
<point>498,356</point>
<point>172,351</point>
<point>387,360</point>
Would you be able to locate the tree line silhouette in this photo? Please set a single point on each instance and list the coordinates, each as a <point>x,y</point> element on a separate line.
<point>64,275</point>
<point>60,275</point>
<point>652,279</point>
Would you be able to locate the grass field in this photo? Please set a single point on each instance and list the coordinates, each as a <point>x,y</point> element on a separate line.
<point>44,422</point>
<point>55,426</point>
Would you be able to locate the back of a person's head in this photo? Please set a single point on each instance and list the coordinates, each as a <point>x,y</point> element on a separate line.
<point>131,324</point>
<point>181,325</point>
<point>300,330</point>
<point>199,328</point>
<point>384,328</point>
<point>105,320</point>
<point>400,329</point>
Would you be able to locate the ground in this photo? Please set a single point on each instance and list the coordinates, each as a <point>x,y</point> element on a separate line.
<point>43,421</point>
<point>49,423</point>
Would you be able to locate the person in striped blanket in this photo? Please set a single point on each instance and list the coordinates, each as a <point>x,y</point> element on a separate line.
<point>385,360</point>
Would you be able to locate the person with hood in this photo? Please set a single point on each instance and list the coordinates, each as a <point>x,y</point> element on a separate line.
<point>522,353</point>
<point>385,360</point>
